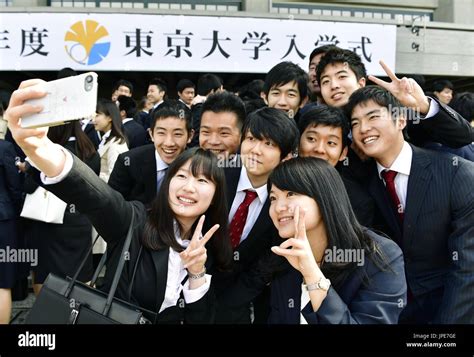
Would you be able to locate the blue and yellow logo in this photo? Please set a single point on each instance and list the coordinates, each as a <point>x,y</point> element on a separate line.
<point>86,43</point>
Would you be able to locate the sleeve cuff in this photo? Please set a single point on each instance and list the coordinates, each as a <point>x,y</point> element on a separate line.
<point>433,110</point>
<point>194,295</point>
<point>67,168</point>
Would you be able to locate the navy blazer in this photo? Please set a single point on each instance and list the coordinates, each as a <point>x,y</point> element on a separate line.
<point>380,301</point>
<point>10,184</point>
<point>437,237</point>
<point>135,134</point>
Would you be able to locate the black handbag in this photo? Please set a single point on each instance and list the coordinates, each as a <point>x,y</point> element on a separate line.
<point>68,301</point>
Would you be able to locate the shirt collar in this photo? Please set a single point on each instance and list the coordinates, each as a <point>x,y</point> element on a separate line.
<point>160,164</point>
<point>157,104</point>
<point>245,184</point>
<point>402,163</point>
<point>106,135</point>
<point>126,120</point>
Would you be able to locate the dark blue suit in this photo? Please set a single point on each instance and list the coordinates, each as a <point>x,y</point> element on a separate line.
<point>135,134</point>
<point>437,237</point>
<point>10,204</point>
<point>377,302</point>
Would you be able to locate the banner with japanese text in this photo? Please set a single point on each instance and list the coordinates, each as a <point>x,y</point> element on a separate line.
<point>174,43</point>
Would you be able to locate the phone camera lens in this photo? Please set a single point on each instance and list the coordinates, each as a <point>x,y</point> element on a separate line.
<point>89,79</point>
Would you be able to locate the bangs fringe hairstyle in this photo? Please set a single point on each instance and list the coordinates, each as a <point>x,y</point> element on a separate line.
<point>110,109</point>
<point>318,180</point>
<point>159,230</point>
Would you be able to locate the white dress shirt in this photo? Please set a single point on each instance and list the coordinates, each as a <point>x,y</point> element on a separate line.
<point>104,138</point>
<point>176,274</point>
<point>402,165</point>
<point>255,207</point>
<point>126,120</point>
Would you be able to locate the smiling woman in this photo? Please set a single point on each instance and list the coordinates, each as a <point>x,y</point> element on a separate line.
<point>311,211</point>
<point>169,247</point>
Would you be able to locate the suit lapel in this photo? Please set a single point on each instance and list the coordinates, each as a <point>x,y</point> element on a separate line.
<point>261,224</point>
<point>149,172</point>
<point>418,182</point>
<point>160,261</point>
<point>232,176</point>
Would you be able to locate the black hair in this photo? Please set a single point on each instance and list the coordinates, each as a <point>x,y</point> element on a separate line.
<point>66,72</point>
<point>463,103</point>
<point>321,49</point>
<point>128,105</point>
<point>225,102</point>
<point>60,134</point>
<point>183,84</point>
<point>207,83</point>
<point>339,55</point>
<point>440,84</point>
<point>171,109</point>
<point>327,116</point>
<point>252,105</point>
<point>109,108</point>
<point>286,72</point>
<point>317,179</point>
<point>160,83</point>
<point>125,83</point>
<point>251,90</point>
<point>159,230</point>
<point>379,96</point>
<point>273,124</point>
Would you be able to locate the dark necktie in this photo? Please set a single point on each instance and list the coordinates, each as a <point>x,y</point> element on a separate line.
<point>240,217</point>
<point>160,175</point>
<point>389,178</point>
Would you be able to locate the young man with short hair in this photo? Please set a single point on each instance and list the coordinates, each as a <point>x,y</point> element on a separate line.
<point>133,130</point>
<point>341,72</point>
<point>186,92</point>
<point>324,134</point>
<point>443,90</point>
<point>138,173</point>
<point>222,119</point>
<point>268,137</point>
<point>427,205</point>
<point>286,88</point>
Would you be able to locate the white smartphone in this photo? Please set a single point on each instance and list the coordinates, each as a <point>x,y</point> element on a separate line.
<point>67,99</point>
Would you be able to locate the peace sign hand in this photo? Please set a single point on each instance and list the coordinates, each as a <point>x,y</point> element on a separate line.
<point>195,255</point>
<point>297,250</point>
<point>406,90</point>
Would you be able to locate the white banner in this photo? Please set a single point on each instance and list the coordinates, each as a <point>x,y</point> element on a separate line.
<point>172,43</point>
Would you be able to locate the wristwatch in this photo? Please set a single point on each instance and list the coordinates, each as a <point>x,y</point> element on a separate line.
<point>322,284</point>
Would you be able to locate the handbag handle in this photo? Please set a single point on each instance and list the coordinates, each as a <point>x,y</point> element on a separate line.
<point>121,263</point>
<point>118,271</point>
<point>83,262</point>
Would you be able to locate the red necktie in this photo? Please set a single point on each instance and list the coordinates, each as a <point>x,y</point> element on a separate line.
<point>389,177</point>
<point>240,217</point>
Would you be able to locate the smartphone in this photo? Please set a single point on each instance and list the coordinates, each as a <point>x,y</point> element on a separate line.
<point>67,99</point>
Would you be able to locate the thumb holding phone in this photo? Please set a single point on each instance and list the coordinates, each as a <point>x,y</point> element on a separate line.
<point>47,156</point>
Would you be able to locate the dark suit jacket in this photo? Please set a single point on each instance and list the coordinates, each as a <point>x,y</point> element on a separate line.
<point>92,134</point>
<point>135,134</point>
<point>134,174</point>
<point>233,297</point>
<point>10,184</point>
<point>377,302</point>
<point>446,127</point>
<point>437,237</point>
<point>111,215</point>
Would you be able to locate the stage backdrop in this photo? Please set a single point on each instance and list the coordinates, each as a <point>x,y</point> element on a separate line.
<point>132,42</point>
